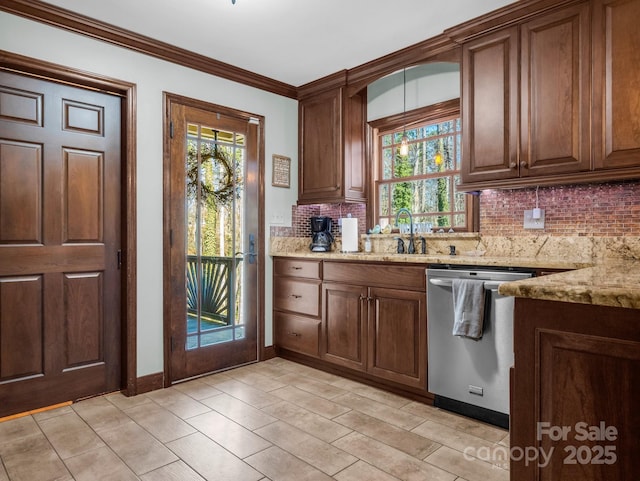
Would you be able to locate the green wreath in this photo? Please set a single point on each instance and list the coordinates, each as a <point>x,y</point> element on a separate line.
<point>226,188</point>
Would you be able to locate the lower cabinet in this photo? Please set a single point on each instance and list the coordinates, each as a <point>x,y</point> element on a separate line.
<point>367,323</point>
<point>397,336</point>
<point>297,333</point>
<point>344,319</point>
<point>574,392</point>
<point>296,305</point>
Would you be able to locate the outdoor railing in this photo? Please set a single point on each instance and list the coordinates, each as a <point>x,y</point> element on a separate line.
<point>212,288</point>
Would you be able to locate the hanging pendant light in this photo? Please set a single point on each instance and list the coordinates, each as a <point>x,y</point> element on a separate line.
<point>438,157</point>
<point>404,144</point>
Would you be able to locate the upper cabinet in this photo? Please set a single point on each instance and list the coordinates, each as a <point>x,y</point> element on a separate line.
<point>553,99</point>
<point>332,143</point>
<point>525,99</point>
<point>616,77</point>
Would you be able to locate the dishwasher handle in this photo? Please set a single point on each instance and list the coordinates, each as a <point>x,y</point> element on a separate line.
<point>488,285</point>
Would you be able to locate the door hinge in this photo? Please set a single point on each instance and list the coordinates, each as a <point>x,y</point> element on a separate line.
<point>119,255</point>
<point>171,129</point>
<point>170,237</point>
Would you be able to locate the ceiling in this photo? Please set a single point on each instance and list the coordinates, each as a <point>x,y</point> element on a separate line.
<point>293,41</point>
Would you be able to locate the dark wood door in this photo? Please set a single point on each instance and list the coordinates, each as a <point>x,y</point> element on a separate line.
<point>60,319</point>
<point>344,333</point>
<point>398,336</point>
<point>616,113</point>
<point>555,93</point>
<point>212,211</point>
<point>490,107</point>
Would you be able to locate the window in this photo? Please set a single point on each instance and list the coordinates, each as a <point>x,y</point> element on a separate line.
<point>424,180</point>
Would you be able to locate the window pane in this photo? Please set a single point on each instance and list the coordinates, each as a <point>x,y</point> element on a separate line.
<point>387,163</point>
<point>460,220</point>
<point>404,165</point>
<point>460,198</point>
<point>384,200</point>
<point>386,140</point>
<point>401,196</point>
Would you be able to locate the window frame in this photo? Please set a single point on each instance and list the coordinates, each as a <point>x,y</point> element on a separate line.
<point>435,113</point>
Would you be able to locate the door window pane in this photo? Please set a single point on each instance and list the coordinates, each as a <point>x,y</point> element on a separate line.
<point>214,206</point>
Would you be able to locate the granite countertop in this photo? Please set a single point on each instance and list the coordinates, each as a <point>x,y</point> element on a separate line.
<point>505,261</point>
<point>609,282</point>
<point>614,283</point>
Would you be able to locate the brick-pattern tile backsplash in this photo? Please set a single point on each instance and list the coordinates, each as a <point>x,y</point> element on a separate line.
<point>607,210</point>
<point>301,226</point>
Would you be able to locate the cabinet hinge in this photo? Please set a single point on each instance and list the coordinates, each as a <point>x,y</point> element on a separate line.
<point>171,237</point>
<point>171,129</point>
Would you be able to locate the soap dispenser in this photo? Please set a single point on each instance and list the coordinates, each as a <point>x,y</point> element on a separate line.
<point>367,244</point>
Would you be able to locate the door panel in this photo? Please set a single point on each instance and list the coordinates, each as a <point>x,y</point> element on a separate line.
<point>212,213</point>
<point>60,322</point>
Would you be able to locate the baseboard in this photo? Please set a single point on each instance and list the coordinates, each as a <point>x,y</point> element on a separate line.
<point>268,352</point>
<point>150,383</point>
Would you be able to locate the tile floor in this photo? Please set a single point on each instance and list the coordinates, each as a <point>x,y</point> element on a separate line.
<point>275,420</point>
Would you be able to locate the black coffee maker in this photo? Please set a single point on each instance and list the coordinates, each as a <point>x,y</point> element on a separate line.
<point>321,239</point>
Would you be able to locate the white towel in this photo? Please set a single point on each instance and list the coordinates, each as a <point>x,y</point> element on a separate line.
<point>468,307</point>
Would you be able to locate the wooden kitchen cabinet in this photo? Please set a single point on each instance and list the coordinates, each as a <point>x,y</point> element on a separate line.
<point>565,357</point>
<point>375,320</point>
<point>344,320</point>
<point>372,322</point>
<point>490,107</point>
<point>616,73</point>
<point>397,337</point>
<point>297,305</point>
<point>525,99</point>
<point>332,164</point>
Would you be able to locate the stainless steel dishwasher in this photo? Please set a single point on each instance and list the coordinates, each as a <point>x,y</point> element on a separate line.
<point>469,376</point>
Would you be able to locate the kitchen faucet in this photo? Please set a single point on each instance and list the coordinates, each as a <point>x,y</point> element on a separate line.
<point>412,247</point>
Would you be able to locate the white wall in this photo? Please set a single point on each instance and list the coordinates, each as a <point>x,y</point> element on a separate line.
<point>152,77</point>
<point>426,85</point>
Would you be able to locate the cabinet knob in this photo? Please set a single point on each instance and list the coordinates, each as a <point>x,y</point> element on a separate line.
<point>523,164</point>
<point>512,165</point>
<point>296,296</point>
<point>296,268</point>
<point>294,334</point>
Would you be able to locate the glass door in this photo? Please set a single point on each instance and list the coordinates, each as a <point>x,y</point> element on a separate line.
<point>214,251</point>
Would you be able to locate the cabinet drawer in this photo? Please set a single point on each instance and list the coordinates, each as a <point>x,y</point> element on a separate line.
<point>381,275</point>
<point>297,295</point>
<point>297,333</point>
<point>309,269</point>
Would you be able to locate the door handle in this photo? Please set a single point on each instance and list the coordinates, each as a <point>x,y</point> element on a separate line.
<point>489,286</point>
<point>251,254</point>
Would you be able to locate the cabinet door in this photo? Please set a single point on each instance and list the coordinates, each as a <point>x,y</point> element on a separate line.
<point>555,93</point>
<point>616,74</point>
<point>344,325</point>
<point>398,336</point>
<point>490,107</point>
<point>321,171</point>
